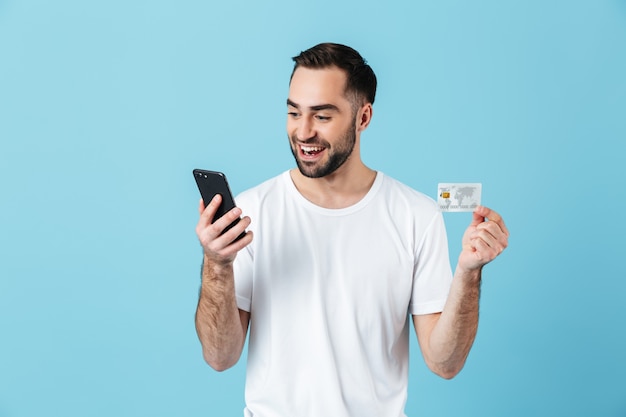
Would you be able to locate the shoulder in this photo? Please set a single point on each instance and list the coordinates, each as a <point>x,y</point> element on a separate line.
<point>253,196</point>
<point>400,194</point>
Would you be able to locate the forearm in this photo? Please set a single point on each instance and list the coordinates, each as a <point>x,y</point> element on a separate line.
<point>218,322</point>
<point>454,333</point>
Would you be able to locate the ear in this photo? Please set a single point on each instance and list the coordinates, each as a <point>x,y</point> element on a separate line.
<point>364,117</point>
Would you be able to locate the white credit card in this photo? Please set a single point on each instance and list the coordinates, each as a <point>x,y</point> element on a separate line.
<point>459,196</point>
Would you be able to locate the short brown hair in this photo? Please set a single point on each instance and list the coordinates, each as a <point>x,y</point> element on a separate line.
<point>361,80</point>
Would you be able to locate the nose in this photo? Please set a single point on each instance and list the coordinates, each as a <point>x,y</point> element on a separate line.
<point>305,129</point>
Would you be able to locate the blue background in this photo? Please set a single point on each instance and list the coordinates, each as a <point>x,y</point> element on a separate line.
<point>106,107</point>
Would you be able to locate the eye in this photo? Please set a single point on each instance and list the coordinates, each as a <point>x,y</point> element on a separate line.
<point>292,114</point>
<point>322,118</point>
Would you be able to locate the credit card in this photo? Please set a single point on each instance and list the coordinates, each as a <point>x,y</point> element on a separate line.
<point>455,197</point>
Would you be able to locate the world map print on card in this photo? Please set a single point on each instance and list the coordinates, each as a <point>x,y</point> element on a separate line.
<point>459,196</point>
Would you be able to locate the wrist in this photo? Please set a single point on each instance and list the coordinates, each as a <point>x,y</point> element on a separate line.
<point>213,269</point>
<point>471,275</point>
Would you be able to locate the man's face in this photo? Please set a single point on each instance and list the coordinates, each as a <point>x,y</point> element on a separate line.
<point>320,121</point>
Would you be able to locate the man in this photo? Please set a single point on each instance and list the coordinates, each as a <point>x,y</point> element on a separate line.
<point>342,256</point>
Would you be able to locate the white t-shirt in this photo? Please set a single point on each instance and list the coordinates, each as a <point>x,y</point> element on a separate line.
<point>330,292</point>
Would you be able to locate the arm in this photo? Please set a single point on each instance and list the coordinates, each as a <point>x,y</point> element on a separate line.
<point>220,325</point>
<point>446,338</point>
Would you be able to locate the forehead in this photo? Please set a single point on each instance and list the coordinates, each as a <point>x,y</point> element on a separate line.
<point>311,87</point>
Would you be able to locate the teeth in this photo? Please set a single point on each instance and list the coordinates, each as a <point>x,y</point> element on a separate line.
<point>312,149</point>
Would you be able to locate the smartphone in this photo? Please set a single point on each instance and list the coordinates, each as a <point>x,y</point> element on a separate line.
<point>211,183</point>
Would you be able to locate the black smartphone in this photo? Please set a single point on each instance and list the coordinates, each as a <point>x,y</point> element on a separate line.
<point>211,183</point>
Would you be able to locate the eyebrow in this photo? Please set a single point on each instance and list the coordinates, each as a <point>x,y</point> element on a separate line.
<point>319,107</point>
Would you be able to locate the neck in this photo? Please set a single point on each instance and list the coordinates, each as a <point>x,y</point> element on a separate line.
<point>343,188</point>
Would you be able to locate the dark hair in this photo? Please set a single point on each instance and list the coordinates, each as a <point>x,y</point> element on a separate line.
<point>361,80</point>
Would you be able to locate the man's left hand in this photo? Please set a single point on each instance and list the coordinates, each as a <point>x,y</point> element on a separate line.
<point>485,239</point>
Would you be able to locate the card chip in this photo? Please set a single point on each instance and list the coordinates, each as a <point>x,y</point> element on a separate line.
<point>445,194</point>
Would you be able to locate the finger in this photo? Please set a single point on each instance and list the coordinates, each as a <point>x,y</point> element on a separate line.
<point>208,213</point>
<point>484,251</point>
<point>201,206</point>
<point>224,221</point>
<point>483,241</point>
<point>236,246</point>
<point>486,237</point>
<point>492,216</point>
<point>234,232</point>
<point>477,218</point>
<point>226,244</point>
<point>494,229</point>
<point>217,229</point>
<point>233,247</point>
<point>469,246</point>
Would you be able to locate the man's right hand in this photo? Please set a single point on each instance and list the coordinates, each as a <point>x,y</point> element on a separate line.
<point>220,325</point>
<point>221,249</point>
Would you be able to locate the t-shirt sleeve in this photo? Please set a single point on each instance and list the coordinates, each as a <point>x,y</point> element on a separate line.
<point>432,273</point>
<point>242,268</point>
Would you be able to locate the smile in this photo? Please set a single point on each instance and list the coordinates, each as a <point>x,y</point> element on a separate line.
<point>311,150</point>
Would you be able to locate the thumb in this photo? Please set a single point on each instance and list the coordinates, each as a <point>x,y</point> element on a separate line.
<point>477,216</point>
